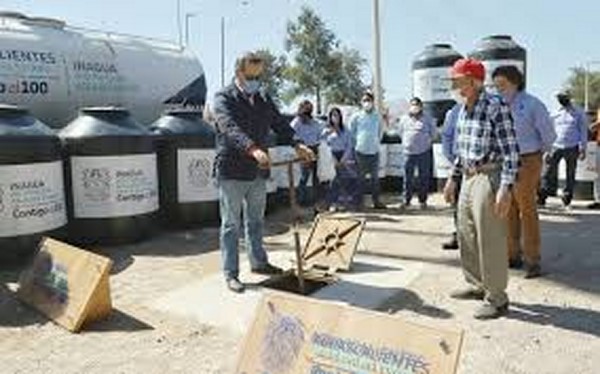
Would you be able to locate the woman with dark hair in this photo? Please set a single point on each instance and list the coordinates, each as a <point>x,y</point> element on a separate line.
<point>344,189</point>
<point>308,131</point>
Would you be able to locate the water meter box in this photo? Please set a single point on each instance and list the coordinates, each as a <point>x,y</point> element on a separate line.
<point>189,194</point>
<point>32,197</point>
<point>330,247</point>
<point>111,174</point>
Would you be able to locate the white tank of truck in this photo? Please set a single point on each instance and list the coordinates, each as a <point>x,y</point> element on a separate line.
<point>53,70</point>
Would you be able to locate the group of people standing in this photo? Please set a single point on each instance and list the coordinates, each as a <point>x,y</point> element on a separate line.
<point>498,145</point>
<point>505,149</point>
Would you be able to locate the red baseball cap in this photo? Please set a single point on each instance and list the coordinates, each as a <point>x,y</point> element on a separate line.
<point>468,67</point>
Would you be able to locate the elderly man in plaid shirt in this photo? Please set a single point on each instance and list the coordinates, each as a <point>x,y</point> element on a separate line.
<point>488,157</point>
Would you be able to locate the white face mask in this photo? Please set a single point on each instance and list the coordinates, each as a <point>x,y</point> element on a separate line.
<point>456,96</point>
<point>367,105</point>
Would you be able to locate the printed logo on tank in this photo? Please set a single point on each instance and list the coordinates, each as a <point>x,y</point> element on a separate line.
<point>96,184</point>
<point>199,172</point>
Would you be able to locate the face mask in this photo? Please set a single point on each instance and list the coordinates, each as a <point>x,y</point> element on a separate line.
<point>564,101</point>
<point>335,120</point>
<point>414,110</point>
<point>367,105</point>
<point>252,86</point>
<point>307,113</point>
<point>456,96</point>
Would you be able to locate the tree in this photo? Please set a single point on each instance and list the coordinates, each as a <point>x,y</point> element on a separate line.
<point>576,84</point>
<point>319,67</point>
<point>348,86</point>
<point>273,77</point>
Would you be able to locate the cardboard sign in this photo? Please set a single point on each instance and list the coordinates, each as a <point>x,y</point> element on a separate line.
<point>297,335</point>
<point>67,284</point>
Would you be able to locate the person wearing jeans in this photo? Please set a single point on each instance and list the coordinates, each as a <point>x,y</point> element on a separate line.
<point>366,129</point>
<point>417,131</point>
<point>570,123</point>
<point>244,115</point>
<point>596,129</point>
<point>448,136</point>
<point>535,135</point>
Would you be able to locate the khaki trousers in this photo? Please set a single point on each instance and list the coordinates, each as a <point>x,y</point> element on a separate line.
<point>523,218</point>
<point>482,237</point>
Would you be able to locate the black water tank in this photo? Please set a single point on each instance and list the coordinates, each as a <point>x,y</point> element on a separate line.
<point>112,181</point>
<point>431,83</point>
<point>394,168</point>
<point>32,197</point>
<point>188,190</point>
<point>499,50</point>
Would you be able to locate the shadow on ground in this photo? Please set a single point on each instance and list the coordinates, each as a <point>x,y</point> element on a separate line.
<point>576,319</point>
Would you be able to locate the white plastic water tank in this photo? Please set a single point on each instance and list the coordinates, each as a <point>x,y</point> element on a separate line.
<point>54,70</point>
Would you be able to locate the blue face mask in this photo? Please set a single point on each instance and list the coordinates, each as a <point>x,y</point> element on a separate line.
<point>252,86</point>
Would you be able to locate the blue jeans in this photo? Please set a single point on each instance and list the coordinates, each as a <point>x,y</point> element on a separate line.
<point>235,195</point>
<point>369,164</point>
<point>422,163</point>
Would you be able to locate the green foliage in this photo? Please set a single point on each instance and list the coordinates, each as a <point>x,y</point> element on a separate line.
<point>576,84</point>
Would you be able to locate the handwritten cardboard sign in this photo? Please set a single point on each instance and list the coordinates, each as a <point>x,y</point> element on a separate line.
<point>298,335</point>
<point>67,284</point>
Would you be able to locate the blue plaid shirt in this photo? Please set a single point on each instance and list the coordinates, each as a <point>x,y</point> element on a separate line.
<point>486,134</point>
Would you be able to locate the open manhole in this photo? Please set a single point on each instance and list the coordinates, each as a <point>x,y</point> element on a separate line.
<point>288,282</point>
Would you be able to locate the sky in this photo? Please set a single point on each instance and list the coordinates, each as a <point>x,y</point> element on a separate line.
<point>557,35</point>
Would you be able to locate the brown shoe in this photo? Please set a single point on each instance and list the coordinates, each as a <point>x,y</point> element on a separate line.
<point>533,271</point>
<point>488,311</point>
<point>468,294</point>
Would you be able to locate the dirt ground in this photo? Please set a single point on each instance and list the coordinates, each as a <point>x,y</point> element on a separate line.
<point>553,326</point>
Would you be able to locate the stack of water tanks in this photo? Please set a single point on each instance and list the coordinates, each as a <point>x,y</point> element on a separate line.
<point>32,199</point>
<point>111,177</point>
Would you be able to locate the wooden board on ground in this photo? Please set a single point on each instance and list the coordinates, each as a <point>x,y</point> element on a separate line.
<point>297,335</point>
<point>67,284</point>
<point>332,242</point>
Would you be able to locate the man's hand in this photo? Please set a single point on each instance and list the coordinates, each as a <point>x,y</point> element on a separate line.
<point>304,153</point>
<point>450,191</point>
<point>264,162</point>
<point>503,201</point>
<point>582,154</point>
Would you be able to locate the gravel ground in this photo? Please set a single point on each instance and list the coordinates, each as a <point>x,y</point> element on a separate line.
<point>553,326</point>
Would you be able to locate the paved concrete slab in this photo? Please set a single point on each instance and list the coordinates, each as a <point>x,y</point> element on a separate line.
<point>370,283</point>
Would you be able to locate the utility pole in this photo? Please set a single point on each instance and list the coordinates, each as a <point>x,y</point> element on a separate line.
<point>222,51</point>
<point>179,25</point>
<point>377,91</point>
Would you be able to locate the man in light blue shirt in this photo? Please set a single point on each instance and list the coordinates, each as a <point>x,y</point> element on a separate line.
<point>535,135</point>
<point>571,125</point>
<point>308,131</point>
<point>449,150</point>
<point>417,131</point>
<point>366,128</point>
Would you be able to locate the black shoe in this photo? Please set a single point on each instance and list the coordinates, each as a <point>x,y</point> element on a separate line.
<point>515,263</point>
<point>469,293</point>
<point>488,311</point>
<point>595,205</point>
<point>541,201</point>
<point>235,285</point>
<point>566,200</point>
<point>452,244</point>
<point>267,269</point>
<point>533,271</point>
<point>379,206</point>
